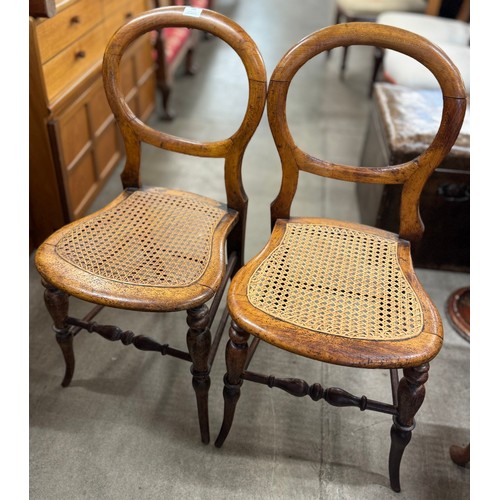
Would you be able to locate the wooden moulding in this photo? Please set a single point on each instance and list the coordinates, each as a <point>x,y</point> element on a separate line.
<point>42,8</point>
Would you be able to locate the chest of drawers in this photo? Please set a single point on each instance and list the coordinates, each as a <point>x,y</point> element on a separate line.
<point>74,139</point>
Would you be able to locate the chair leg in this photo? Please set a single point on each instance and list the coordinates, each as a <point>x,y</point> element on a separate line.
<point>165,90</point>
<point>190,67</point>
<point>411,393</point>
<point>236,355</point>
<point>199,342</point>
<point>57,303</point>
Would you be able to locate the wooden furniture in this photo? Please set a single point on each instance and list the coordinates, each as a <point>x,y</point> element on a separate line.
<point>402,124</point>
<point>460,454</point>
<point>174,46</point>
<point>74,140</point>
<point>458,311</point>
<point>156,249</point>
<point>340,292</point>
<point>42,8</point>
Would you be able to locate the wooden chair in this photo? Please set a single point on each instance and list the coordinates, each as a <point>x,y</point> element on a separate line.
<point>156,249</point>
<point>341,292</point>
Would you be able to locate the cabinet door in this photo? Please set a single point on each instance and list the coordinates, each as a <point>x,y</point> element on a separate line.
<point>88,147</point>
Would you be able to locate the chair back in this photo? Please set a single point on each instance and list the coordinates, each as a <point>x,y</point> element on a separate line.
<point>135,132</point>
<point>412,174</point>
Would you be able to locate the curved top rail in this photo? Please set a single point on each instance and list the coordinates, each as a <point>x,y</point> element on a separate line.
<point>211,22</point>
<point>413,173</point>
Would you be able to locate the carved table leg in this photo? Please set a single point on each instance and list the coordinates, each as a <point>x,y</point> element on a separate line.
<point>57,303</point>
<point>198,342</point>
<point>236,354</point>
<point>411,393</point>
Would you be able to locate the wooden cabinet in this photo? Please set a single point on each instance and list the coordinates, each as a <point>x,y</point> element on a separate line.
<point>74,139</point>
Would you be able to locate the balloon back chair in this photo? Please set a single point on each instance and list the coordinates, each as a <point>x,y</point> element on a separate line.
<point>154,249</point>
<point>341,292</point>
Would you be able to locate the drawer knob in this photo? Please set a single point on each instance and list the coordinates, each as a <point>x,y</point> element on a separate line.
<point>75,20</point>
<point>128,15</point>
<point>80,54</point>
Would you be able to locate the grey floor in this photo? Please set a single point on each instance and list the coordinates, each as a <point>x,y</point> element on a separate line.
<point>127,428</point>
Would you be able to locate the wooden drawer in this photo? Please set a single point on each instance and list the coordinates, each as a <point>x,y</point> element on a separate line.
<point>68,67</point>
<point>56,33</point>
<point>109,7</point>
<point>124,12</point>
<point>75,133</point>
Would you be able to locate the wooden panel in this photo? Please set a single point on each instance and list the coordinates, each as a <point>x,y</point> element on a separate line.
<point>143,56</point>
<point>111,6</point>
<point>108,149</point>
<point>99,109</point>
<point>124,12</point>
<point>147,97</point>
<point>74,133</point>
<point>57,33</point>
<point>133,102</point>
<point>127,75</point>
<point>71,64</point>
<point>81,182</point>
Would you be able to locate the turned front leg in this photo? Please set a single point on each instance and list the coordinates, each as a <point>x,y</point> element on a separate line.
<point>236,355</point>
<point>57,303</point>
<point>411,393</point>
<point>198,343</point>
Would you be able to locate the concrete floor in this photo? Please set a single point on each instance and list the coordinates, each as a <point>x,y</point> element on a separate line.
<point>127,426</point>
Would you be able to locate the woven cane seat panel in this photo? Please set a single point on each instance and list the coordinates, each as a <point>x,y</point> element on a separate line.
<point>148,239</point>
<point>337,281</point>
